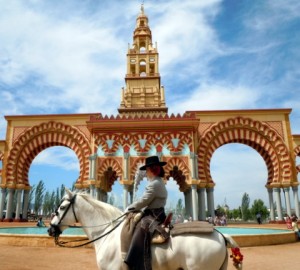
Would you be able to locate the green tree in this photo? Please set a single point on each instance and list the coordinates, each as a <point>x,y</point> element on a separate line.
<point>258,206</point>
<point>49,203</point>
<point>234,214</point>
<point>246,214</point>
<point>220,211</point>
<point>39,196</point>
<point>62,191</point>
<point>46,204</point>
<point>179,208</point>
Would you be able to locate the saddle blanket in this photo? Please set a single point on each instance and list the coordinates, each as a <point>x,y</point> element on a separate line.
<point>193,227</point>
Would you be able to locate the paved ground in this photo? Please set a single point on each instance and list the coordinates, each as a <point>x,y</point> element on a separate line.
<point>43,258</point>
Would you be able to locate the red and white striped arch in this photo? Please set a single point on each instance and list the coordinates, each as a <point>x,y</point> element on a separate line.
<point>104,165</point>
<point>38,138</point>
<point>255,134</point>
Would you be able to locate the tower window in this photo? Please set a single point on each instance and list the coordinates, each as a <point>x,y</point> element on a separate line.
<point>142,68</point>
<point>152,68</point>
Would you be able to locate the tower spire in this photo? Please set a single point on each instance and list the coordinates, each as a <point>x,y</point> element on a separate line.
<point>143,91</point>
<point>142,8</point>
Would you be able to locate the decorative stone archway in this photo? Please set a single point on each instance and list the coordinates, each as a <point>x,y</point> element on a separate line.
<point>262,138</point>
<point>255,134</point>
<point>37,139</point>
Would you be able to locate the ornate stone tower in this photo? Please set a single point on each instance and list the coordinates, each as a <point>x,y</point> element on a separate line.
<point>143,92</point>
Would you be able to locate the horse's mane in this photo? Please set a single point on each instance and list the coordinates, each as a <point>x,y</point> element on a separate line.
<point>103,209</point>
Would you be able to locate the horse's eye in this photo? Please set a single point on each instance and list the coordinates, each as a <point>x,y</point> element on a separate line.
<point>62,207</point>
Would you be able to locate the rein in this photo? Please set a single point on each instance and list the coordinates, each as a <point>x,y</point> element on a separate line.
<point>63,243</point>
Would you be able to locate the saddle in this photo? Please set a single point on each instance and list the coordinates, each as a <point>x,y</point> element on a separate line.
<point>160,233</point>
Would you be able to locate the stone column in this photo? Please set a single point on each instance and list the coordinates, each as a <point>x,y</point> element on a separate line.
<point>98,194</point>
<point>92,160</point>
<point>192,160</point>
<point>19,206</point>
<point>25,203</point>
<point>296,200</point>
<point>286,191</point>
<point>210,201</point>
<point>2,202</point>
<point>10,198</point>
<point>194,202</point>
<point>201,204</point>
<point>278,203</point>
<point>130,197</point>
<point>187,200</point>
<point>92,174</point>
<point>271,202</point>
<point>92,191</point>
<point>126,159</point>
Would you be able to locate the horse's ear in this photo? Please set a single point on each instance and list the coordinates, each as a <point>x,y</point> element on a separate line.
<point>69,193</point>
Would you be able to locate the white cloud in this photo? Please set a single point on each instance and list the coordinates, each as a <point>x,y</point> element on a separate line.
<point>212,97</point>
<point>58,156</point>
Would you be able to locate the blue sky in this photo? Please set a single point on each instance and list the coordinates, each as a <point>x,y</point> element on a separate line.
<point>70,57</point>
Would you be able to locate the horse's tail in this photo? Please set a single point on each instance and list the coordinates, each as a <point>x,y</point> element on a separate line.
<point>236,254</point>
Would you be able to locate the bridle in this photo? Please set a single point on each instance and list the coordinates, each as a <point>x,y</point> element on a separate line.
<point>55,231</point>
<point>72,200</point>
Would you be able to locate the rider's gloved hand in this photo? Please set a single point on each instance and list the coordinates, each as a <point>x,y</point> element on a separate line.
<point>129,209</point>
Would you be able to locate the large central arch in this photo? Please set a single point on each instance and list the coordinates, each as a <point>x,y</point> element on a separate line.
<point>255,134</point>
<point>37,139</point>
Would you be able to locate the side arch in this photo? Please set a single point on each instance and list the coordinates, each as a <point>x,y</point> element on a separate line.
<point>37,139</point>
<point>255,134</point>
<point>109,171</point>
<point>179,171</point>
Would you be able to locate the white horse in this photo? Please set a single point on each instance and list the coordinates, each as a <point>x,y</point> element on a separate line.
<point>182,252</point>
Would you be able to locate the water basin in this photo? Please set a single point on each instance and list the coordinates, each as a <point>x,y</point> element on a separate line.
<point>39,231</point>
<point>250,231</point>
<point>245,237</point>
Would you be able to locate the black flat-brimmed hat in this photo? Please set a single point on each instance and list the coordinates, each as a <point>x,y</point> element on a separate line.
<point>150,161</point>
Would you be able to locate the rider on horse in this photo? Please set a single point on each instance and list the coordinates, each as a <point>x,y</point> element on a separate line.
<point>152,202</point>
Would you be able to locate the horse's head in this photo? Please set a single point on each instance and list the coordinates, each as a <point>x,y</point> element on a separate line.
<point>64,215</point>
